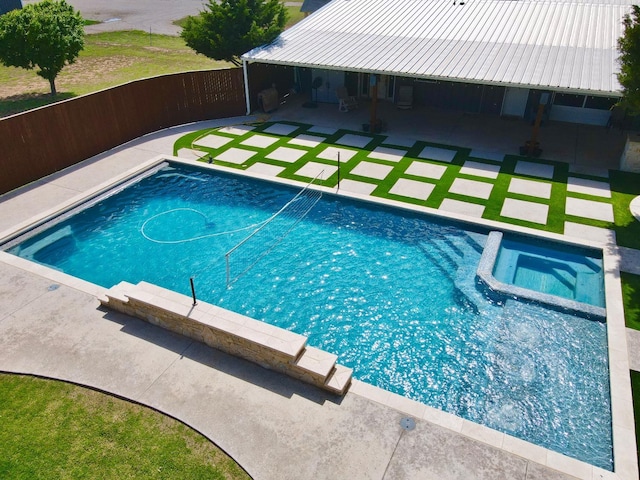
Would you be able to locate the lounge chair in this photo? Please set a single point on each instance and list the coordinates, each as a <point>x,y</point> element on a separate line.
<point>345,101</point>
<point>405,97</point>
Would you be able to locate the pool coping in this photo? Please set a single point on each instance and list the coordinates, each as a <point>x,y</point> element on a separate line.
<point>623,431</point>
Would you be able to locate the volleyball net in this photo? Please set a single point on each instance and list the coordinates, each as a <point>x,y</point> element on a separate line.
<point>247,253</point>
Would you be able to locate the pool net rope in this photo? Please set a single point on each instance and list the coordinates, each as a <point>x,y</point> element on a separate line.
<point>247,253</point>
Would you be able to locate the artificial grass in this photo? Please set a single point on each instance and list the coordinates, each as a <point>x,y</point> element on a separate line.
<point>54,429</point>
<point>631,299</point>
<point>635,391</point>
<point>623,185</point>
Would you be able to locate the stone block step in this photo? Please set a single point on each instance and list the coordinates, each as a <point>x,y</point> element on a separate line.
<point>339,380</point>
<point>316,362</point>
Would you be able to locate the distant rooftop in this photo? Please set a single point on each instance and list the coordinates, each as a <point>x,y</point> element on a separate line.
<point>310,6</point>
<point>8,5</point>
<point>564,45</point>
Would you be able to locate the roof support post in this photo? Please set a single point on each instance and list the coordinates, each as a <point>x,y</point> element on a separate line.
<point>246,86</point>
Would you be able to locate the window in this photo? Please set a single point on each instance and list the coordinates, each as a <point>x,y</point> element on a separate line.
<point>569,100</point>
<point>600,103</point>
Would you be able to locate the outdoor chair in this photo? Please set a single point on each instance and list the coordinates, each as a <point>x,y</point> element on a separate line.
<point>345,101</point>
<point>405,97</point>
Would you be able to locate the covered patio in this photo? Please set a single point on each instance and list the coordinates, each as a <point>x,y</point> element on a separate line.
<point>587,148</point>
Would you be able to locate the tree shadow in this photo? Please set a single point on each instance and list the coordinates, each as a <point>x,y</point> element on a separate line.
<point>28,101</point>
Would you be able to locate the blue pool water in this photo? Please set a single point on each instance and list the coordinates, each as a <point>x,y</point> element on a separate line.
<point>393,294</point>
<point>567,272</point>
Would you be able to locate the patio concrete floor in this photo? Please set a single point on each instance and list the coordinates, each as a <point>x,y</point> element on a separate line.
<point>275,427</point>
<point>585,147</point>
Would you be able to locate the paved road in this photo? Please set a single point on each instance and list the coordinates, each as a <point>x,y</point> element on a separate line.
<point>155,15</point>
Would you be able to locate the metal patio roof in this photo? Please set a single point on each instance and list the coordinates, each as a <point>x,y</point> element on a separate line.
<point>561,45</point>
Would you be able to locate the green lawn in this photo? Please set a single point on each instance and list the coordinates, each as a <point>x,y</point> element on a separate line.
<point>108,59</point>
<point>57,430</point>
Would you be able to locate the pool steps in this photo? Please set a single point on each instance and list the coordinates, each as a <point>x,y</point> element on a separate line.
<point>269,346</point>
<point>462,253</point>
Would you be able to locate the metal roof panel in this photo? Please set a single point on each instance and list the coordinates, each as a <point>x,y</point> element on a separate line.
<point>562,44</point>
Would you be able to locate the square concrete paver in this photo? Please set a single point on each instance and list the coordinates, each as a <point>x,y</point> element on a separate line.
<point>389,154</point>
<point>534,169</point>
<point>355,186</point>
<point>471,188</point>
<point>265,169</point>
<point>372,170</point>
<point>530,187</point>
<point>479,169</point>
<point>322,130</point>
<point>236,155</point>
<point>464,208</point>
<point>523,210</point>
<point>399,141</point>
<point>440,154</point>
<point>424,169</point>
<point>213,141</point>
<point>236,129</point>
<point>487,155</point>
<point>307,140</point>
<point>352,140</point>
<point>589,187</point>
<point>412,189</point>
<point>281,129</point>
<point>260,141</point>
<point>190,154</point>
<point>589,209</point>
<point>588,232</point>
<point>313,169</point>
<point>285,154</point>
<point>331,153</point>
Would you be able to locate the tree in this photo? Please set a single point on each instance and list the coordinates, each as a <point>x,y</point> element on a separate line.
<point>47,35</point>
<point>226,30</point>
<point>629,48</point>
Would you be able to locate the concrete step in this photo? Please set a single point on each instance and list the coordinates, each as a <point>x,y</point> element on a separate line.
<point>316,362</point>
<point>339,380</point>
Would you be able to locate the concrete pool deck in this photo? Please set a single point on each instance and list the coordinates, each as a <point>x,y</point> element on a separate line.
<point>275,427</point>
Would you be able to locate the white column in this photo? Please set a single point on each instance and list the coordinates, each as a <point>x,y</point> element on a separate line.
<point>246,86</point>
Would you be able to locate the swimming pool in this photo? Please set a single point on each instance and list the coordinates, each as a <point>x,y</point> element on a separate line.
<point>394,295</point>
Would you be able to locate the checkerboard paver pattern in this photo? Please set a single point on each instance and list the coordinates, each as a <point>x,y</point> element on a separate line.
<point>436,153</point>
<point>213,141</point>
<point>412,189</point>
<point>463,208</point>
<point>447,178</point>
<point>314,169</point>
<point>531,188</point>
<point>372,170</point>
<point>427,170</point>
<point>336,153</point>
<point>388,154</point>
<point>259,141</point>
<point>237,129</point>
<point>524,210</point>
<point>471,188</point>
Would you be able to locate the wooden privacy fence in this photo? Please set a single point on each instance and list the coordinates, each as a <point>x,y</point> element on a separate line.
<point>42,141</point>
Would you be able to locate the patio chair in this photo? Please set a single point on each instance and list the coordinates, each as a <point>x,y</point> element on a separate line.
<point>405,97</point>
<point>345,101</point>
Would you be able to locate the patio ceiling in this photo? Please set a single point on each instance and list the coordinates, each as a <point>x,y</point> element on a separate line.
<point>563,46</point>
